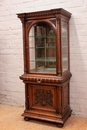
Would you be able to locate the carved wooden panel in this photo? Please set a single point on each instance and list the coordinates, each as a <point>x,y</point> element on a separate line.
<point>43,97</point>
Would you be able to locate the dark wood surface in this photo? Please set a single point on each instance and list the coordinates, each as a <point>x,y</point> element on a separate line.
<point>46,95</point>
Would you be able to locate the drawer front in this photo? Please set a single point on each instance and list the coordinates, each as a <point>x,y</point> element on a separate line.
<point>42,97</point>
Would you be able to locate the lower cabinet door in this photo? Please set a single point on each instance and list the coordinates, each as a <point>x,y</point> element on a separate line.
<point>42,98</point>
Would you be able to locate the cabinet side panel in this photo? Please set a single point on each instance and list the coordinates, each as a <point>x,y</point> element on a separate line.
<point>59,99</point>
<point>65,97</point>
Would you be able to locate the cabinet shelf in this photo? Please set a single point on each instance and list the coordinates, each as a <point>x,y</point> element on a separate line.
<point>64,36</point>
<point>41,37</point>
<point>50,59</point>
<point>45,70</point>
<point>38,47</point>
<point>64,59</point>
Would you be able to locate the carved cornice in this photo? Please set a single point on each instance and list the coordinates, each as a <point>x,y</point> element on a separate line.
<point>48,13</point>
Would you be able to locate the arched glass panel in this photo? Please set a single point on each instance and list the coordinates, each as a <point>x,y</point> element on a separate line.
<point>42,48</point>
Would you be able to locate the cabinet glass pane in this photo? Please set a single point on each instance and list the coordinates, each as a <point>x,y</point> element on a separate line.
<point>64,46</point>
<point>42,49</point>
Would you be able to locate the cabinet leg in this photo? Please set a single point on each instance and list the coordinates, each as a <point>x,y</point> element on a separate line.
<point>26,118</point>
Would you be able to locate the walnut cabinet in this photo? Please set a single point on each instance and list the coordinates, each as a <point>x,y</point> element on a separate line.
<point>46,65</point>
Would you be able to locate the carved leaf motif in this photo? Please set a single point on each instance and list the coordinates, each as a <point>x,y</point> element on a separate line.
<point>43,97</point>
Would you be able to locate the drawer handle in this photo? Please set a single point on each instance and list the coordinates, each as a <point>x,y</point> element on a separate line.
<point>39,80</point>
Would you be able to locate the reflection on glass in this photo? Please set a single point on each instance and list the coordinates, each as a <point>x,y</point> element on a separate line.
<point>42,48</point>
<point>64,46</point>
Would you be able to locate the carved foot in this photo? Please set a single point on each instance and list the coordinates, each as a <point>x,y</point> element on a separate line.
<point>26,118</point>
<point>60,125</point>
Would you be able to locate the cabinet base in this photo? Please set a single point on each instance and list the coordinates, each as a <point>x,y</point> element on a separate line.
<point>58,119</point>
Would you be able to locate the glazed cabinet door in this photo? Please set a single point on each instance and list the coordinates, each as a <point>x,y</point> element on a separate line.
<point>42,49</point>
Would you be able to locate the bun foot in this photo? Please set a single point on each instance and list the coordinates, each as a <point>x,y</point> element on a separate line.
<point>60,125</point>
<point>26,118</point>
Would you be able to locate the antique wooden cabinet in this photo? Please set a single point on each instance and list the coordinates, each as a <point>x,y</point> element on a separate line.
<point>46,65</point>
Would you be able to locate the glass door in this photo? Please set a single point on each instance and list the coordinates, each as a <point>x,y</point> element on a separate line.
<point>42,49</point>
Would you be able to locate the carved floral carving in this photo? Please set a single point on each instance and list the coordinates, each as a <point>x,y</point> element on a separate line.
<point>44,97</point>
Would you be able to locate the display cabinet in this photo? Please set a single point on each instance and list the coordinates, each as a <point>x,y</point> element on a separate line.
<point>46,65</point>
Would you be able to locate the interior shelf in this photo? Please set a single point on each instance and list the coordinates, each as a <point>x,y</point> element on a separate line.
<point>42,37</point>
<point>38,47</point>
<point>48,59</point>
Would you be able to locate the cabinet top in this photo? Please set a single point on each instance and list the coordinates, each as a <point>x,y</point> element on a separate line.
<point>52,13</point>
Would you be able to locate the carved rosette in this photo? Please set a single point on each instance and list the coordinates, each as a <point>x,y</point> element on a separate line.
<point>44,97</point>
